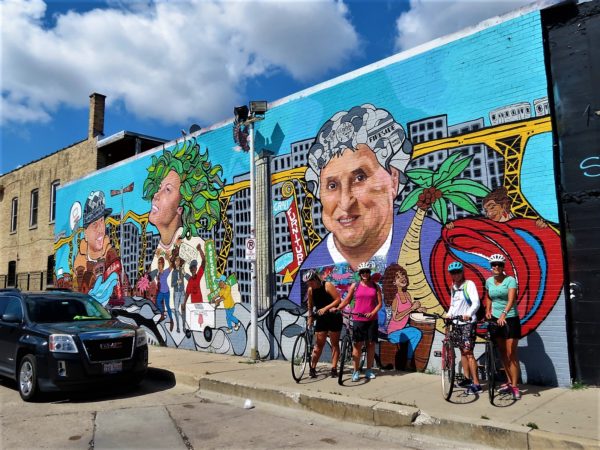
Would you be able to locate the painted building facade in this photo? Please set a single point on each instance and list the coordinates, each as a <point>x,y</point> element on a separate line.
<point>442,153</point>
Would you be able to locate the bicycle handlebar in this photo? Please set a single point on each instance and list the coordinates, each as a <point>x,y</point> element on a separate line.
<point>350,313</point>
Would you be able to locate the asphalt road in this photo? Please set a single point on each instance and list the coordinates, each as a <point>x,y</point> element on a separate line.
<point>162,415</point>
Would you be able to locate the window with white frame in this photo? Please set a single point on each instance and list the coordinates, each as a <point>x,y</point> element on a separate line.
<point>13,214</point>
<point>33,211</point>
<point>53,188</point>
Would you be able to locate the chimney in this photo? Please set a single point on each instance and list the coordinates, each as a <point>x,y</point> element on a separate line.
<point>96,124</point>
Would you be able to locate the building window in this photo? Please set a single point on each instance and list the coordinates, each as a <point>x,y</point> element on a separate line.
<point>50,271</point>
<point>13,214</point>
<point>53,188</point>
<point>33,212</point>
<point>12,274</point>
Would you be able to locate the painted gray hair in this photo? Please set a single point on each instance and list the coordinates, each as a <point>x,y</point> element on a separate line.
<point>361,125</point>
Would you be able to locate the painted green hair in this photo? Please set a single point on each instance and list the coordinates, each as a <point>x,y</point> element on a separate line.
<point>201,185</point>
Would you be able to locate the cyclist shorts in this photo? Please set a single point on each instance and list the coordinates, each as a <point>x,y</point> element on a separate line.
<point>328,322</point>
<point>365,331</point>
<point>464,335</point>
<point>512,329</point>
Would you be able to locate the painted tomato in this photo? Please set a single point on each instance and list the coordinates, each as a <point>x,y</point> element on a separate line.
<point>533,257</point>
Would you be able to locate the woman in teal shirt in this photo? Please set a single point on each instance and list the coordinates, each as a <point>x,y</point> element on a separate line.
<point>501,305</point>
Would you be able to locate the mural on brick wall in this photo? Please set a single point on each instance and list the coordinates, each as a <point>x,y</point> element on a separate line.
<point>407,172</point>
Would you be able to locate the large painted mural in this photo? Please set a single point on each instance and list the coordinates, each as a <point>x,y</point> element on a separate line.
<point>442,156</point>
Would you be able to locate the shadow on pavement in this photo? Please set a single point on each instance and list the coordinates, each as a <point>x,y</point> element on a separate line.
<point>156,380</point>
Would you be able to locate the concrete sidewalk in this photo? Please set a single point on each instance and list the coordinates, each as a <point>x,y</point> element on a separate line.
<point>543,418</point>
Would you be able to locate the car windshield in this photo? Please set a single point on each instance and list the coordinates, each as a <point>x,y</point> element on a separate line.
<point>50,309</point>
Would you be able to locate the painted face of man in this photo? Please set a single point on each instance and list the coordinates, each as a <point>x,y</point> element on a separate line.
<point>495,211</point>
<point>165,203</point>
<point>94,235</point>
<point>357,195</point>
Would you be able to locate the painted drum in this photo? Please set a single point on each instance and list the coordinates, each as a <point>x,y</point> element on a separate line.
<point>427,327</point>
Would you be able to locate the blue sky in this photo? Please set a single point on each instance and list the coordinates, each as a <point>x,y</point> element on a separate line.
<point>165,65</point>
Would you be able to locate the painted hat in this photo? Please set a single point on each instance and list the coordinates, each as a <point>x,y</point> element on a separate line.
<point>95,208</point>
<point>193,263</point>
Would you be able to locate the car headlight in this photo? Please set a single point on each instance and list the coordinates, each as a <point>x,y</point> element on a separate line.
<point>140,338</point>
<point>62,343</point>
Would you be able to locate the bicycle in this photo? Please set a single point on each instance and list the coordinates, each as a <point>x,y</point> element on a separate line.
<point>346,346</point>
<point>302,352</point>
<point>448,365</point>
<point>490,353</point>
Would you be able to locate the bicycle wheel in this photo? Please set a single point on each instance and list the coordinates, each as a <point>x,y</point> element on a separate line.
<point>299,357</point>
<point>345,357</point>
<point>448,368</point>
<point>490,370</point>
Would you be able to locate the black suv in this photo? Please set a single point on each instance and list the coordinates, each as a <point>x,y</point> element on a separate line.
<point>58,340</point>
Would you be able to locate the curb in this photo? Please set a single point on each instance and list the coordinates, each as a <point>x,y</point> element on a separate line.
<point>377,413</point>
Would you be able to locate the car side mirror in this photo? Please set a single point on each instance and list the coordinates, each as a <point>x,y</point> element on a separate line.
<point>11,318</point>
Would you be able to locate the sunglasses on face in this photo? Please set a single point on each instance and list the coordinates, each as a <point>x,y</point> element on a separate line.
<point>364,272</point>
<point>497,264</point>
<point>454,272</point>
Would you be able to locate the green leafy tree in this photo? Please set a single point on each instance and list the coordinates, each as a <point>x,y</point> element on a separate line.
<point>435,189</point>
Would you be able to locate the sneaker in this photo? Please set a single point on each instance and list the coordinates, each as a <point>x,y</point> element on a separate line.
<point>236,326</point>
<point>228,330</point>
<point>516,393</point>
<point>369,375</point>
<point>334,372</point>
<point>465,382</point>
<point>356,376</point>
<point>474,389</point>
<point>505,389</point>
<point>313,372</point>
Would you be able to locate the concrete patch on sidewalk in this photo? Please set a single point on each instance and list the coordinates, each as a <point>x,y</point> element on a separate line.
<point>141,428</point>
<point>544,440</point>
<point>339,407</point>
<point>391,415</point>
<point>289,399</point>
<point>477,430</point>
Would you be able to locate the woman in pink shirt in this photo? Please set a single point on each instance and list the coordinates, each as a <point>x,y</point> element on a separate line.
<point>367,302</point>
<point>395,285</point>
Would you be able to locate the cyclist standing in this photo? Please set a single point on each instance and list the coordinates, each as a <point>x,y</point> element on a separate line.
<point>464,303</point>
<point>323,297</point>
<point>501,305</point>
<point>364,327</point>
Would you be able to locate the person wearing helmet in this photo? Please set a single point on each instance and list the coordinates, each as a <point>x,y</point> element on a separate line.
<point>501,306</point>
<point>368,302</point>
<point>464,303</point>
<point>322,298</point>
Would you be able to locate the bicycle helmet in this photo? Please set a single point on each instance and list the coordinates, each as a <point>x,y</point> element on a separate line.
<point>455,266</point>
<point>310,275</point>
<point>364,266</point>
<point>497,258</point>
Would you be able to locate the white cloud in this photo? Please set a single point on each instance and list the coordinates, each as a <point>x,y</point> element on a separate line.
<point>172,61</point>
<point>430,19</point>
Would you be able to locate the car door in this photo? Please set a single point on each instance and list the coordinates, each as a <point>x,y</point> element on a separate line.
<point>9,332</point>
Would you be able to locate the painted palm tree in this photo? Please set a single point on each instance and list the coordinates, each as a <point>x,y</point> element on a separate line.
<point>435,189</point>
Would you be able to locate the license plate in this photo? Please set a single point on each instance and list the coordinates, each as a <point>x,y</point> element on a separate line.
<point>112,367</point>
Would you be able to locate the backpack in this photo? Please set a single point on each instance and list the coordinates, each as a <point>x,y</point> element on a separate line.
<point>480,313</point>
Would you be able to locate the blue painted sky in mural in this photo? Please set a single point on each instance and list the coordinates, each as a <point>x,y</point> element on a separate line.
<point>165,65</point>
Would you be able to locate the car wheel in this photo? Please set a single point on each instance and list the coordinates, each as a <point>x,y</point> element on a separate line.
<point>28,385</point>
